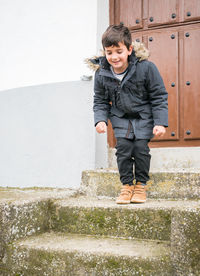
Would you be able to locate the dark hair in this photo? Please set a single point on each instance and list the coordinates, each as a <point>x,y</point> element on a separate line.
<point>115,34</point>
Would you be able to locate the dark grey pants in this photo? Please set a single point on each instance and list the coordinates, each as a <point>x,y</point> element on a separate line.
<point>133,152</point>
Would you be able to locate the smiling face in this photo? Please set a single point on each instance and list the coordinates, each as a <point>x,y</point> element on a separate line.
<point>117,57</point>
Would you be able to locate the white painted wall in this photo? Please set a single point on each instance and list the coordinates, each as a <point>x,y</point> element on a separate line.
<point>46,118</point>
<point>47,135</point>
<point>47,132</point>
<point>45,41</point>
<point>101,153</point>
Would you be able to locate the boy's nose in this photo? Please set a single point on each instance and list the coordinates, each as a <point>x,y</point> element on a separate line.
<point>114,57</point>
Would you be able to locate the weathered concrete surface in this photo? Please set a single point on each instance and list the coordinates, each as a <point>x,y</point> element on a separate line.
<point>22,220</point>
<point>19,196</point>
<point>57,254</point>
<point>27,212</point>
<point>94,216</point>
<point>24,212</point>
<point>167,185</point>
<point>185,241</point>
<point>100,182</point>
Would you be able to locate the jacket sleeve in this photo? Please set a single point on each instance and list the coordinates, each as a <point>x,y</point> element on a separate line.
<point>158,96</point>
<point>101,105</point>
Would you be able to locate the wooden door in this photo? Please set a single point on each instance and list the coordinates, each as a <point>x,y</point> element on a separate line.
<point>191,84</point>
<point>130,13</point>
<point>162,12</point>
<point>137,37</point>
<point>163,46</point>
<point>171,31</point>
<point>191,10</point>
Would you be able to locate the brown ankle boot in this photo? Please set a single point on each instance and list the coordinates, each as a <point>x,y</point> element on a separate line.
<point>139,195</point>
<point>125,195</point>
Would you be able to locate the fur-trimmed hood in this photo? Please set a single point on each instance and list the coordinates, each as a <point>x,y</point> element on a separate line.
<point>139,50</point>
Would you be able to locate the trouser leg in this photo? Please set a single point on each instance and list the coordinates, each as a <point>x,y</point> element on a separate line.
<point>127,149</point>
<point>124,160</point>
<point>142,159</point>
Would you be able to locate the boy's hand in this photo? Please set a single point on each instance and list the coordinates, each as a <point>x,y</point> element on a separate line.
<point>159,131</point>
<point>101,127</point>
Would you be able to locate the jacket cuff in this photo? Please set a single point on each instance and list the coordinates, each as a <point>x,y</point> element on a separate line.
<point>161,123</point>
<point>99,118</point>
<point>99,122</point>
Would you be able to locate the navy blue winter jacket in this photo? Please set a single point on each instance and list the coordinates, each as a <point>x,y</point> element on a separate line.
<point>142,95</point>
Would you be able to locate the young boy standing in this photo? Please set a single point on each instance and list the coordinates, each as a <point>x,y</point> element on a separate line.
<point>130,92</point>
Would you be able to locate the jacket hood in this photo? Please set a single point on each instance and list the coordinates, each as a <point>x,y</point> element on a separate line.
<point>139,50</point>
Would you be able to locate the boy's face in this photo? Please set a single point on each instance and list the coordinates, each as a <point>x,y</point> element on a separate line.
<point>117,57</point>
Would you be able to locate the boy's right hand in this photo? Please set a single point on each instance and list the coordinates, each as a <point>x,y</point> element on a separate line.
<point>101,127</point>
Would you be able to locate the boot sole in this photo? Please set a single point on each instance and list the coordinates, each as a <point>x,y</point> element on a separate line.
<point>138,201</point>
<point>123,202</point>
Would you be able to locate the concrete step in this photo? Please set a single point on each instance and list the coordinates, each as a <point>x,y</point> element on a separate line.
<point>57,254</point>
<point>27,212</point>
<point>168,185</point>
<point>24,212</point>
<point>97,216</point>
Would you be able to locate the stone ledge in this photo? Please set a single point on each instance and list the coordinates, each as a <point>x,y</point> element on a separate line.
<point>34,211</point>
<point>185,241</point>
<point>24,212</point>
<point>26,195</point>
<point>57,254</point>
<point>168,185</point>
<point>97,216</point>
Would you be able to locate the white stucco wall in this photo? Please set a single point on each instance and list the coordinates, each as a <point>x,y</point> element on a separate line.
<point>46,119</point>
<point>47,136</point>
<point>45,41</point>
<point>101,152</point>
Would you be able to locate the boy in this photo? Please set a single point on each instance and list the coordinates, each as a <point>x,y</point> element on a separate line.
<point>129,90</point>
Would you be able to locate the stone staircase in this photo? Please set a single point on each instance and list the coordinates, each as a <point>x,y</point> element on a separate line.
<point>57,232</point>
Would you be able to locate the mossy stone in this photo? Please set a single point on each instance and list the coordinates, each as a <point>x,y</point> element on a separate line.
<point>185,241</point>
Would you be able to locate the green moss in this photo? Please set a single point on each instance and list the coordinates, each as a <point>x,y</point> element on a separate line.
<point>22,220</point>
<point>41,262</point>
<point>148,223</point>
<point>96,217</point>
<point>186,241</point>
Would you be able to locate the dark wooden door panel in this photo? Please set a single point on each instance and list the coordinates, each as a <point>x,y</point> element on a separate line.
<point>136,37</point>
<point>171,31</point>
<point>162,12</point>
<point>163,48</point>
<point>130,13</point>
<point>191,10</point>
<point>191,84</point>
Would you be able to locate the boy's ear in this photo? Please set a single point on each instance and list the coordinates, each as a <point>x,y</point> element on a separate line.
<point>130,49</point>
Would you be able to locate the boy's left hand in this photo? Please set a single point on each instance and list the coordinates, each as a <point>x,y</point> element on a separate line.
<point>159,131</point>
